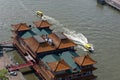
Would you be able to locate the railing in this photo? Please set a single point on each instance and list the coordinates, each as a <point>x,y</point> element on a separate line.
<point>16,67</point>
<point>6,42</point>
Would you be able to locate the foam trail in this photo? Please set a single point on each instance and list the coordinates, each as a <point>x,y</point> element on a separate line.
<point>78,38</point>
<point>52,21</point>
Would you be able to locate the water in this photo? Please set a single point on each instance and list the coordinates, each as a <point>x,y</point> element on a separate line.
<point>100,24</point>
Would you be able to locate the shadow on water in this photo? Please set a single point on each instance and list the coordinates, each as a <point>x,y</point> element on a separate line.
<point>27,72</point>
<point>114,9</point>
<point>100,6</point>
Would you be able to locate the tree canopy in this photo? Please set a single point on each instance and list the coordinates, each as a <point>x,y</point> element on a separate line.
<point>3,73</point>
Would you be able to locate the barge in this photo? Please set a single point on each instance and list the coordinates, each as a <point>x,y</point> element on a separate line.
<point>50,54</point>
<point>114,3</point>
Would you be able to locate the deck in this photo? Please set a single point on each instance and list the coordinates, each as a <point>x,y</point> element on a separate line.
<point>114,3</point>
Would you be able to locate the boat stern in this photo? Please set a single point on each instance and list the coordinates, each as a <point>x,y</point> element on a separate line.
<point>40,13</point>
<point>89,47</point>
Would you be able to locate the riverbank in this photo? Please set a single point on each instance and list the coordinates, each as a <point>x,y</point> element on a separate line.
<point>5,60</point>
<point>28,73</point>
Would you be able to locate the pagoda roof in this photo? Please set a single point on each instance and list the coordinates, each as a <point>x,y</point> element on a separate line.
<point>42,24</point>
<point>20,27</point>
<point>37,44</point>
<point>58,65</point>
<point>61,41</point>
<point>41,32</point>
<point>50,58</point>
<point>68,58</point>
<point>84,60</point>
<point>27,34</point>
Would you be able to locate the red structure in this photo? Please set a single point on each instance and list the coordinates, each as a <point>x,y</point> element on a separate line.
<point>16,67</point>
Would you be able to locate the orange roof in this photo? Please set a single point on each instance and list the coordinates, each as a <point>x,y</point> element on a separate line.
<point>61,43</point>
<point>45,47</point>
<point>42,24</point>
<point>66,43</point>
<point>84,60</point>
<point>20,27</point>
<point>36,46</point>
<point>55,39</point>
<point>59,65</point>
<point>32,43</point>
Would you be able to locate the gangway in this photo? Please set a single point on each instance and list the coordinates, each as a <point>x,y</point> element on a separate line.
<point>8,46</point>
<point>16,67</point>
<point>3,46</point>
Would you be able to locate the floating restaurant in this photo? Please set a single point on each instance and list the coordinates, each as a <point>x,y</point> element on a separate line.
<point>50,54</point>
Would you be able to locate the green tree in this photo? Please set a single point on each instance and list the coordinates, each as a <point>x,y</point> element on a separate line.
<point>3,73</point>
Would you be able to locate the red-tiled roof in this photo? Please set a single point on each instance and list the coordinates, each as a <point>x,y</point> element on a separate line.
<point>20,27</point>
<point>42,24</point>
<point>66,43</point>
<point>61,43</point>
<point>36,46</point>
<point>84,60</point>
<point>55,39</point>
<point>32,43</point>
<point>59,65</point>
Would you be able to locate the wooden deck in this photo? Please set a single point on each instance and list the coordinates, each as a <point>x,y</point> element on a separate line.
<point>114,3</point>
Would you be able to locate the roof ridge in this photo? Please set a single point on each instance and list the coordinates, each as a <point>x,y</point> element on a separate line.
<point>41,23</point>
<point>57,65</point>
<point>38,45</point>
<point>61,62</point>
<point>58,38</point>
<point>59,43</point>
<point>83,59</point>
<point>19,26</point>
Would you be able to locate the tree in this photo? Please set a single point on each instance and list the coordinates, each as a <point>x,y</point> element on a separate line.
<point>3,73</point>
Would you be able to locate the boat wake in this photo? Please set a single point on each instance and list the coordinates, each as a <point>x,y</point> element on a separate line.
<point>53,21</point>
<point>78,38</point>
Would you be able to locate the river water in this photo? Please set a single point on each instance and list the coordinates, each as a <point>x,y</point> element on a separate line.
<point>100,24</point>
